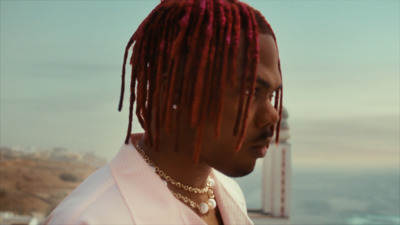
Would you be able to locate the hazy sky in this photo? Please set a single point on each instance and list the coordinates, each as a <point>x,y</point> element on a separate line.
<point>61,62</point>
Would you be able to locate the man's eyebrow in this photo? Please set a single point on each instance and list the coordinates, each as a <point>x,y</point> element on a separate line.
<point>265,83</point>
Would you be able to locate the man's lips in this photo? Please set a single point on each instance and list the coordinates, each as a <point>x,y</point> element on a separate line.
<point>263,139</point>
<point>261,144</point>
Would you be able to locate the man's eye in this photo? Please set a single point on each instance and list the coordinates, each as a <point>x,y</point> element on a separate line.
<point>259,93</point>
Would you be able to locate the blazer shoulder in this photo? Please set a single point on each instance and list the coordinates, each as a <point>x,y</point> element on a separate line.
<point>86,204</point>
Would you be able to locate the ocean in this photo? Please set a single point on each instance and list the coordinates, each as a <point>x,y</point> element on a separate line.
<point>358,197</point>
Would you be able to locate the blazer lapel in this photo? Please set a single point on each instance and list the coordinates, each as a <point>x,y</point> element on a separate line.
<point>146,195</point>
<point>230,200</point>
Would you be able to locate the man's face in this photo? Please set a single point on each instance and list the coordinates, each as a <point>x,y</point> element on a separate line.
<point>219,152</point>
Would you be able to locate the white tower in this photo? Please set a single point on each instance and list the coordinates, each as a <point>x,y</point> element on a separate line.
<point>276,182</point>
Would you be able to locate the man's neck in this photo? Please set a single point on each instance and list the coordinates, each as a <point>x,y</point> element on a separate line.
<point>176,164</point>
<point>179,166</point>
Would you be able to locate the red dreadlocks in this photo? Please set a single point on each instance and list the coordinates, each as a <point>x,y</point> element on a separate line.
<point>191,45</point>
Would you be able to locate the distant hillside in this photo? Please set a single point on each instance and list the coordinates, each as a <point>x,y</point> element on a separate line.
<point>38,181</point>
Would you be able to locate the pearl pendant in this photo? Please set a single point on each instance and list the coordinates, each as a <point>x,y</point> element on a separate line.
<point>203,208</point>
<point>212,203</point>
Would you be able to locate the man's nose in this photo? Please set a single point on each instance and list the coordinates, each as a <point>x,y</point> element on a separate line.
<point>267,116</point>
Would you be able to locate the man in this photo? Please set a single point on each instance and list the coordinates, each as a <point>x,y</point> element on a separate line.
<point>207,83</point>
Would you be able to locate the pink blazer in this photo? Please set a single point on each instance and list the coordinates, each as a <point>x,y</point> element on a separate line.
<point>127,191</point>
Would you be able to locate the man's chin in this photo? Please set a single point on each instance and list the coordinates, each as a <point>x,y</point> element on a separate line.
<point>237,171</point>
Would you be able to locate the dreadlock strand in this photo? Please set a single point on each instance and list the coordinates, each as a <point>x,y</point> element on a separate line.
<point>128,46</point>
<point>181,83</point>
<point>219,83</point>
<point>243,81</point>
<point>236,30</point>
<point>170,96</point>
<point>196,44</point>
<point>137,65</point>
<point>132,87</point>
<point>145,87</point>
<point>278,127</point>
<point>164,50</point>
<point>210,93</point>
<point>214,63</point>
<point>152,68</point>
<point>251,67</point>
<point>142,82</point>
<point>138,62</point>
<point>131,102</point>
<point>130,121</point>
<point>135,55</point>
<point>199,88</point>
<point>245,91</point>
<point>169,62</point>
<point>218,30</point>
<point>190,66</point>
<point>224,75</point>
<point>175,55</point>
<point>205,104</point>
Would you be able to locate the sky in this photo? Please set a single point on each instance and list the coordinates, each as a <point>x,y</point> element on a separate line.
<point>60,65</point>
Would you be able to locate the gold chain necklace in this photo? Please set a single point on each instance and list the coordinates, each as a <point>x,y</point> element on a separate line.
<point>202,207</point>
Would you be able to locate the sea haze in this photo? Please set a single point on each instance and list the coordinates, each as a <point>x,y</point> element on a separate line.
<point>336,197</point>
